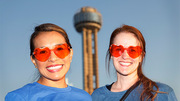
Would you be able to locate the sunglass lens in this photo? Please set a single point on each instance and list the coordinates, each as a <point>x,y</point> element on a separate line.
<point>134,52</point>
<point>62,50</point>
<point>42,54</point>
<point>116,51</point>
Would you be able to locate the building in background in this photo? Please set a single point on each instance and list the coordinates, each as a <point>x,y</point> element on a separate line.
<point>88,22</point>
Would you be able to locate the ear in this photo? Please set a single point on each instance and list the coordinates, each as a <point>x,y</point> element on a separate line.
<point>142,56</point>
<point>112,57</point>
<point>71,54</point>
<point>33,61</point>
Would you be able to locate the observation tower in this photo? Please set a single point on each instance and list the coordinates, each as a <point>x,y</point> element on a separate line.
<point>88,22</point>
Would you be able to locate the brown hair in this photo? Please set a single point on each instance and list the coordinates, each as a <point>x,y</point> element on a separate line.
<point>148,92</point>
<point>47,27</point>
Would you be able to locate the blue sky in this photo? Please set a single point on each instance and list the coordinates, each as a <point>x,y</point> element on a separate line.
<point>158,20</point>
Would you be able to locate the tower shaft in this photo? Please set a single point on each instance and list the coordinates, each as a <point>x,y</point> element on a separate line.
<point>90,60</point>
<point>96,58</point>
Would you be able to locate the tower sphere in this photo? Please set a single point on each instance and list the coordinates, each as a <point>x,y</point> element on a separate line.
<point>87,17</point>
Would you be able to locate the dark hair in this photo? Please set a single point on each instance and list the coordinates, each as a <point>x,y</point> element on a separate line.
<point>47,27</point>
<point>148,92</point>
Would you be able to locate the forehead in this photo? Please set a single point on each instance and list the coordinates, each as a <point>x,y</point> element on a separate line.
<point>126,39</point>
<point>48,39</point>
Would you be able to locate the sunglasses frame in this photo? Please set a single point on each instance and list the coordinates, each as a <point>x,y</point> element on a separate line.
<point>47,55</point>
<point>137,54</point>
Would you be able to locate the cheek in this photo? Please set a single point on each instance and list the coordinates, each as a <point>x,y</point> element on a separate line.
<point>40,64</point>
<point>140,59</point>
<point>137,61</point>
<point>67,60</point>
<point>115,61</point>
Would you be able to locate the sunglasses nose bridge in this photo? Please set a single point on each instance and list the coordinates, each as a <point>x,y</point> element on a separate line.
<point>52,56</point>
<point>125,54</point>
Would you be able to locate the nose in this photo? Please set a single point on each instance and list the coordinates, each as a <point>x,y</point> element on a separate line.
<point>125,54</point>
<point>53,57</point>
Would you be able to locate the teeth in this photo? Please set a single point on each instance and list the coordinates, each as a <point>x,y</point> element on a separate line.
<point>54,67</point>
<point>125,63</point>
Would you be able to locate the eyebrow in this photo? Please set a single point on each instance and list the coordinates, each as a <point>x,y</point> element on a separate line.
<point>59,44</point>
<point>53,45</point>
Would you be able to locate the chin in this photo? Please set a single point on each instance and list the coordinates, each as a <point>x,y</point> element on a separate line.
<point>56,78</point>
<point>123,74</point>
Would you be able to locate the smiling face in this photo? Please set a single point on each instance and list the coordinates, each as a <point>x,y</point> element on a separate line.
<point>54,68</point>
<point>124,64</point>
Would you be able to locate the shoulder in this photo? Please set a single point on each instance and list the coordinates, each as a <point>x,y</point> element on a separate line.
<point>23,89</point>
<point>20,93</point>
<point>164,87</point>
<point>81,93</point>
<point>99,90</point>
<point>166,92</point>
<point>99,93</point>
<point>103,94</point>
<point>77,90</point>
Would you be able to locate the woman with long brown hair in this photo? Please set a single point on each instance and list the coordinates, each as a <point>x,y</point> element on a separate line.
<point>127,49</point>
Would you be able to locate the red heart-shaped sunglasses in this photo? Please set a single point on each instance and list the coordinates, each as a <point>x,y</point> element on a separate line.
<point>42,54</point>
<point>133,51</point>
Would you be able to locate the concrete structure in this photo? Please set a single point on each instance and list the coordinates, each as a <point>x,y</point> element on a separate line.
<point>88,21</point>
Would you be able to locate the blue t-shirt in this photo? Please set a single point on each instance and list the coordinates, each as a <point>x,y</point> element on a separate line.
<point>103,94</point>
<point>37,92</point>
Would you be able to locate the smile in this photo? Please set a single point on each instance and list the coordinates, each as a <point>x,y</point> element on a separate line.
<point>125,63</point>
<point>54,68</point>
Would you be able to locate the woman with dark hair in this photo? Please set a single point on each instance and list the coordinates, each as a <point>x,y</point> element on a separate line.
<point>51,53</point>
<point>127,49</point>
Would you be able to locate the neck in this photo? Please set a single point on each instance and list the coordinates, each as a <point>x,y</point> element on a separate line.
<point>124,82</point>
<point>53,83</point>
